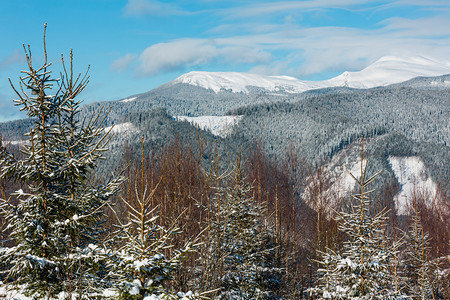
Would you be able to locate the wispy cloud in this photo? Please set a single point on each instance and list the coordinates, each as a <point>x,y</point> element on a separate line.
<point>8,110</point>
<point>152,7</point>
<point>16,57</point>
<point>247,34</point>
<point>262,8</point>
<point>122,63</point>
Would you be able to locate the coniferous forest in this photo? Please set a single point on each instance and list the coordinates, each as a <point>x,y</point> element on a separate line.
<point>187,215</point>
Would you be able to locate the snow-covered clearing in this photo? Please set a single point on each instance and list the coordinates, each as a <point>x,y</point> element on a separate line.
<point>218,125</point>
<point>128,99</point>
<point>121,128</point>
<point>410,173</point>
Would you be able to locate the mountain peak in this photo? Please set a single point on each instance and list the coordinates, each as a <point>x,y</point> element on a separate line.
<point>238,82</point>
<point>385,71</point>
<point>392,69</point>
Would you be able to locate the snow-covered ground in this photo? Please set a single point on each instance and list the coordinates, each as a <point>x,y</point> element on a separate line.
<point>410,173</point>
<point>12,293</point>
<point>15,293</point>
<point>218,125</point>
<point>385,71</point>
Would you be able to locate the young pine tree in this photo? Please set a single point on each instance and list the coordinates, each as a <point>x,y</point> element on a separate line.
<point>57,217</point>
<point>363,269</point>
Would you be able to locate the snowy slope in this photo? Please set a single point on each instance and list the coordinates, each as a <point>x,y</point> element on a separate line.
<point>410,173</point>
<point>218,125</point>
<point>238,82</point>
<point>385,71</point>
<point>337,182</point>
<point>389,70</point>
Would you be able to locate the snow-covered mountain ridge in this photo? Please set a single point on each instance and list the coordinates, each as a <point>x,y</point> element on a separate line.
<point>385,71</point>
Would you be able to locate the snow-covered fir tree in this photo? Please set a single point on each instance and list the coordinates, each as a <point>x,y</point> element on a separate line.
<point>364,269</point>
<point>55,223</point>
<point>242,246</point>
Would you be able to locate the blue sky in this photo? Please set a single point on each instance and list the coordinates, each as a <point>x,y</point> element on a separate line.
<point>133,46</point>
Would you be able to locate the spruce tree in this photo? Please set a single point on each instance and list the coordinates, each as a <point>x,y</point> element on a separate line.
<point>55,224</point>
<point>363,269</point>
<point>242,246</point>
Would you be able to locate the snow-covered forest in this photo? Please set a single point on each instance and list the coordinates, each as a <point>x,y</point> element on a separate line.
<point>190,215</point>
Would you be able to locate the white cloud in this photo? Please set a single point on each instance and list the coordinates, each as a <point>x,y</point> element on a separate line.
<point>175,55</point>
<point>185,53</point>
<point>245,55</point>
<point>308,51</point>
<point>122,63</point>
<point>285,45</point>
<point>430,27</point>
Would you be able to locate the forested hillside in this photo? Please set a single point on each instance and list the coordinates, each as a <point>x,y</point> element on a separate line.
<point>402,121</point>
<point>119,200</point>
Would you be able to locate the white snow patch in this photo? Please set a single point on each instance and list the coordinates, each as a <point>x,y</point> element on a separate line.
<point>218,125</point>
<point>12,293</point>
<point>128,99</point>
<point>410,173</point>
<point>344,182</point>
<point>16,142</point>
<point>121,128</point>
<point>110,293</point>
<point>385,71</point>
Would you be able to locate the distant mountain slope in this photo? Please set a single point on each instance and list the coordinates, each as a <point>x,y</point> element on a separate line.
<point>411,118</point>
<point>429,83</point>
<point>404,121</point>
